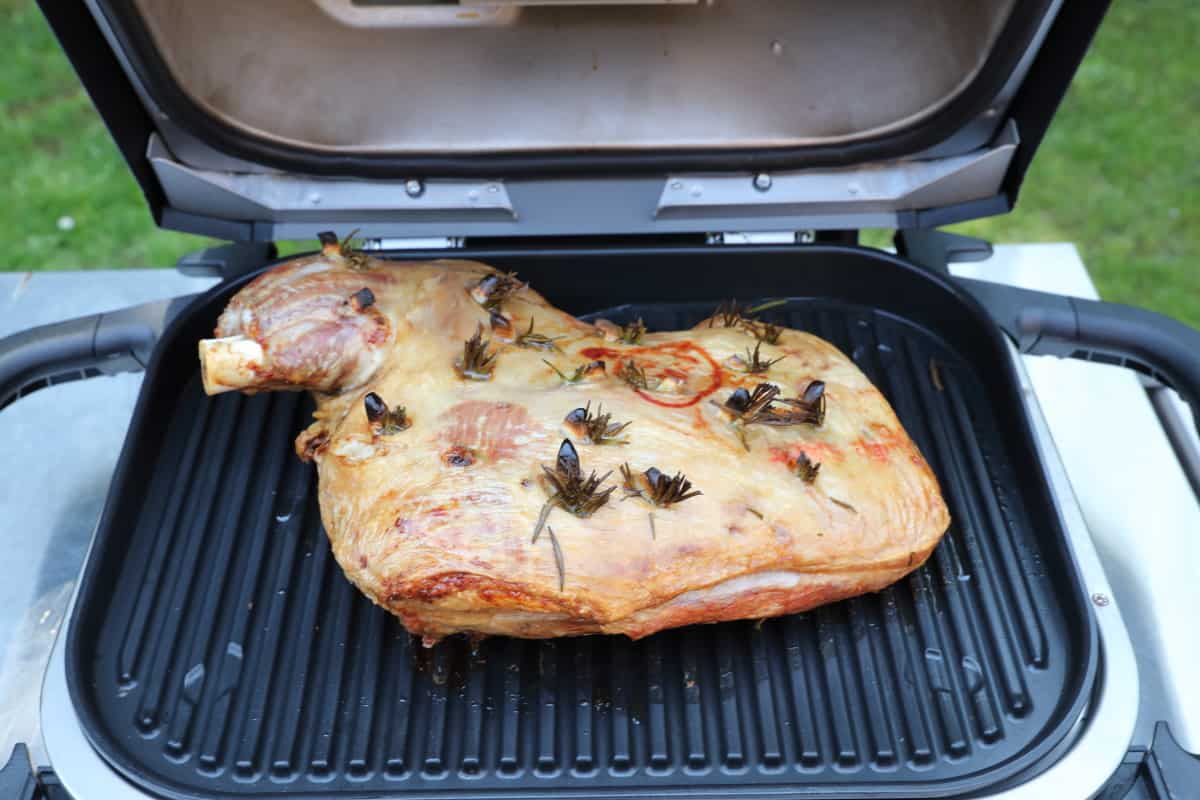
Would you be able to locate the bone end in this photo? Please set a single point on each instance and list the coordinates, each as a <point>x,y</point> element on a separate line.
<point>231,363</point>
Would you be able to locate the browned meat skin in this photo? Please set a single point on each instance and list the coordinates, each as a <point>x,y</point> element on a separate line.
<point>318,328</point>
<point>431,504</point>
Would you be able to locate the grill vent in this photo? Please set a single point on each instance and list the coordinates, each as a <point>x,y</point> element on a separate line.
<point>237,658</point>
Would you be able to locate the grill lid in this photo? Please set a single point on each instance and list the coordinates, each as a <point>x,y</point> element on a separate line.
<point>278,119</point>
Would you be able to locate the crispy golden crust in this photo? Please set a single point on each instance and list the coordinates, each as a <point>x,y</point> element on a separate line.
<point>435,522</point>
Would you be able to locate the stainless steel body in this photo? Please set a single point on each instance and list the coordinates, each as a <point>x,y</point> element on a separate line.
<point>1145,669</point>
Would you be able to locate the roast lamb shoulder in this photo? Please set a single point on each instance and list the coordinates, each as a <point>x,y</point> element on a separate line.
<point>492,465</point>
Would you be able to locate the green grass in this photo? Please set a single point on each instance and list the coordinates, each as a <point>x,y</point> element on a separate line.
<point>1119,170</point>
<point>1118,174</point>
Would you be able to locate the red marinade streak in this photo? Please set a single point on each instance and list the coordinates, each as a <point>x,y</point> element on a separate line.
<point>680,351</point>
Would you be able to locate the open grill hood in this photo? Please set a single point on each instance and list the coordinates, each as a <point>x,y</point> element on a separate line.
<point>278,119</point>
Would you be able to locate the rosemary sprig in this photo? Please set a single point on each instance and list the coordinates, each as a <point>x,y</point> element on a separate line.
<point>805,468</point>
<point>755,364</point>
<point>537,341</point>
<point>728,313</point>
<point>355,259</point>
<point>476,363</point>
<point>635,376</point>
<point>558,559</point>
<point>595,428</point>
<point>633,332</point>
<point>581,372</point>
<point>935,375</point>
<point>844,505</point>
<point>494,288</point>
<point>571,491</point>
<point>656,488</point>
<point>766,305</point>
<point>382,420</point>
<point>762,330</point>
<point>731,314</point>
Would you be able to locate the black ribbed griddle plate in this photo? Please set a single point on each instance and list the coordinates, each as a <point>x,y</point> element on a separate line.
<point>225,653</point>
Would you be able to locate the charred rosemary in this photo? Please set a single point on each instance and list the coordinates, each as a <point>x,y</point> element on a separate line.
<point>363,299</point>
<point>595,428</point>
<point>502,326</point>
<point>656,488</point>
<point>759,408</point>
<point>570,490</point>
<point>581,372</point>
<point>747,407</point>
<point>807,409</point>
<point>476,363</point>
<point>536,341</point>
<point>805,468</point>
<point>382,420</point>
<point>494,288</point>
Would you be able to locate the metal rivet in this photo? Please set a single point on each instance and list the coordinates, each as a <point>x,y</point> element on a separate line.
<point>697,190</point>
<point>853,188</point>
<point>314,198</point>
<point>777,47</point>
<point>762,181</point>
<point>473,195</point>
<point>413,187</point>
<point>806,237</point>
<point>677,185</point>
<point>493,188</point>
<point>1100,599</point>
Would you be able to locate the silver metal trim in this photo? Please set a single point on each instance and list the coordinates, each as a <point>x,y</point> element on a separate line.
<point>1106,727</point>
<point>1177,421</point>
<point>279,196</point>
<point>889,187</point>
<point>1103,736</point>
<point>286,206</point>
<point>414,243</point>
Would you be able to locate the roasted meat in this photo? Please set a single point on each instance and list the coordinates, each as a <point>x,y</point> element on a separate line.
<point>492,465</point>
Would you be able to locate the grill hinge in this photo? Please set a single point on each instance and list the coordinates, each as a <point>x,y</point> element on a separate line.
<point>414,243</point>
<point>762,237</point>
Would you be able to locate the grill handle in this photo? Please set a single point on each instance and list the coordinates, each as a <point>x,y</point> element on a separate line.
<point>100,344</point>
<point>1107,333</point>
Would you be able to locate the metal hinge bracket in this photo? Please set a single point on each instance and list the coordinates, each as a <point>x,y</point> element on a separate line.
<point>414,243</point>
<point>762,237</point>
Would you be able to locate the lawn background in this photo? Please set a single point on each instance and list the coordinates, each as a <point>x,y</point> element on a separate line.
<point>1118,174</point>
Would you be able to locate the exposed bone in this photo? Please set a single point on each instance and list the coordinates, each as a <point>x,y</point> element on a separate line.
<point>231,363</point>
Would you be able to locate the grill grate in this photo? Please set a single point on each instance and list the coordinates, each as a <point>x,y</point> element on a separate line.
<point>234,657</point>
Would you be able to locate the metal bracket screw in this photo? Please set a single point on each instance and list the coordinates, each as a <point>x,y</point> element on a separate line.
<point>413,187</point>
<point>762,181</point>
<point>1100,599</point>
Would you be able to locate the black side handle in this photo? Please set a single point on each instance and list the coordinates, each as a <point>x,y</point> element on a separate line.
<point>1108,333</point>
<point>100,344</point>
